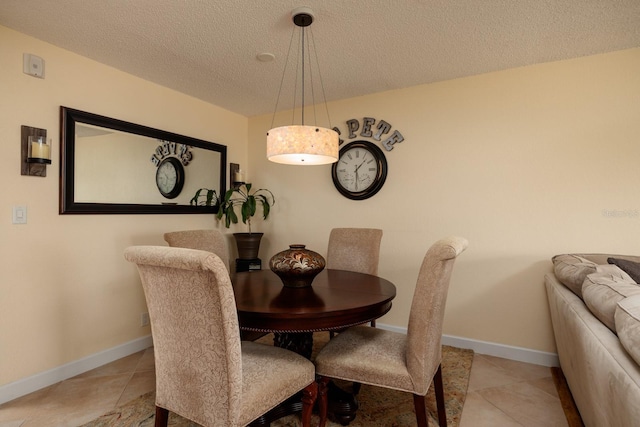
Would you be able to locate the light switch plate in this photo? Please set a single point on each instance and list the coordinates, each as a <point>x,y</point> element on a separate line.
<point>19,214</point>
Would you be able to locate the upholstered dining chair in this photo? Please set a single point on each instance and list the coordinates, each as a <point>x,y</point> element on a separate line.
<point>394,360</point>
<point>354,249</point>
<point>205,240</point>
<point>203,371</point>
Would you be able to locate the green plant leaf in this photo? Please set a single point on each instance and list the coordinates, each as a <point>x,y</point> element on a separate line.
<point>194,200</point>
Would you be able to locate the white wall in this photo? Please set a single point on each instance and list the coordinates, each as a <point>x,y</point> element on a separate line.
<point>66,291</point>
<point>525,163</point>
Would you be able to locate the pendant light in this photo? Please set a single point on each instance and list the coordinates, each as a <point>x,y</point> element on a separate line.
<point>302,144</point>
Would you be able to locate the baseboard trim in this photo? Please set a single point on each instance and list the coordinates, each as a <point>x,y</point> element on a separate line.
<point>36,382</point>
<point>519,354</point>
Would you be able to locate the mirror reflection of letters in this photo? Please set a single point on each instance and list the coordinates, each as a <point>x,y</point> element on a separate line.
<point>114,167</point>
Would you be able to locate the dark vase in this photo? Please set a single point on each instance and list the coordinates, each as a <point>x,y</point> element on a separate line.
<point>297,266</point>
<point>248,244</point>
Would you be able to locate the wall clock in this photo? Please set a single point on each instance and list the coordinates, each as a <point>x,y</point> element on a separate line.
<point>170,177</point>
<point>360,171</point>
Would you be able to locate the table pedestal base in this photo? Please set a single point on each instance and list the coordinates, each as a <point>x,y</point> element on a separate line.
<point>342,404</point>
<point>299,342</point>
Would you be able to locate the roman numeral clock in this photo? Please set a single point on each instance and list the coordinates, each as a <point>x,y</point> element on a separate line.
<point>360,171</point>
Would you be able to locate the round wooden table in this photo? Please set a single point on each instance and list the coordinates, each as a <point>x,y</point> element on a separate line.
<point>336,300</point>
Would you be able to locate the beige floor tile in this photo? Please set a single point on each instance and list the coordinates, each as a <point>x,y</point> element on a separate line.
<point>485,374</point>
<point>525,371</point>
<point>527,404</point>
<point>79,400</point>
<point>146,362</point>
<point>141,383</point>
<point>24,407</point>
<point>125,365</point>
<point>478,412</point>
<point>547,385</point>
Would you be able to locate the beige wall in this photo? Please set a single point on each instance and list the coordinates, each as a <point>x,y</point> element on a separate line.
<point>525,163</point>
<point>65,290</point>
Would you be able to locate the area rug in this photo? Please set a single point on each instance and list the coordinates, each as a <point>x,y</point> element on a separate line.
<point>378,407</point>
<point>566,399</point>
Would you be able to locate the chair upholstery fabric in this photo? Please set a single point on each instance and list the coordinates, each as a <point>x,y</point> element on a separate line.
<point>354,249</point>
<point>394,360</point>
<point>203,371</point>
<point>204,240</point>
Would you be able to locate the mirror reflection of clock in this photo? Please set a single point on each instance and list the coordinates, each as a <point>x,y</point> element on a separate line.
<point>170,177</point>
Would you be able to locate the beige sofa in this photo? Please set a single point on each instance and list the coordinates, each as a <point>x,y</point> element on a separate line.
<point>595,311</point>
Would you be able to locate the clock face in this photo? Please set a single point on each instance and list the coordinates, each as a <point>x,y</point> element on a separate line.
<point>360,171</point>
<point>170,177</point>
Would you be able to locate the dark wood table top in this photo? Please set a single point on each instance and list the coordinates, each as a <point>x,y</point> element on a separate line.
<point>336,299</point>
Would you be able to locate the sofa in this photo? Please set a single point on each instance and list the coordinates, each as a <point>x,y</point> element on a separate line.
<point>594,303</point>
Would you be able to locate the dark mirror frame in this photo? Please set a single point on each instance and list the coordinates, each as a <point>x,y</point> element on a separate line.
<point>68,205</point>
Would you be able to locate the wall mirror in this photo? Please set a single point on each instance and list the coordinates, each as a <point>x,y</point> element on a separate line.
<point>109,166</point>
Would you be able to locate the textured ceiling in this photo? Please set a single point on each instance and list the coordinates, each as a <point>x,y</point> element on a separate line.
<point>208,49</point>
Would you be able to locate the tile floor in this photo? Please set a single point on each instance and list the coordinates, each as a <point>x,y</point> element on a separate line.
<point>501,393</point>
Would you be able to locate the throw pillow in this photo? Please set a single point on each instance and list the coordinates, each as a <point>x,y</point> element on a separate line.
<point>603,290</point>
<point>630,267</point>
<point>571,271</point>
<point>628,325</point>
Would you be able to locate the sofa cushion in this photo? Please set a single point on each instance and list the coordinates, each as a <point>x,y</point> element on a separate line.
<point>630,267</point>
<point>628,325</point>
<point>571,270</point>
<point>603,290</point>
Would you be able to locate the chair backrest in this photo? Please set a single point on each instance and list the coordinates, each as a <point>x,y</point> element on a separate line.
<point>424,332</point>
<point>204,240</point>
<point>194,326</point>
<point>354,249</point>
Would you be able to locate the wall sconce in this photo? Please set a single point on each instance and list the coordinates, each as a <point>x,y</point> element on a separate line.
<point>35,151</point>
<point>236,175</point>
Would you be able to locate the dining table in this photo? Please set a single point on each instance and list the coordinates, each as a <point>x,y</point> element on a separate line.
<point>336,299</point>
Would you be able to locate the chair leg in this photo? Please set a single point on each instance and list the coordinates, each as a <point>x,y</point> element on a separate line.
<point>439,389</point>
<point>420,406</point>
<point>419,402</point>
<point>309,396</point>
<point>323,400</point>
<point>162,417</point>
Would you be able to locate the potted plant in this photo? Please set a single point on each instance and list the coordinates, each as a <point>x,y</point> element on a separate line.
<point>248,201</point>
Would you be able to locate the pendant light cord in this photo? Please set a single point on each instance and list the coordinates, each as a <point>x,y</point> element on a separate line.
<point>302,62</point>
<point>284,71</point>
<point>312,43</point>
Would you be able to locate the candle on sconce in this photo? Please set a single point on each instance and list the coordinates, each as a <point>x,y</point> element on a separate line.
<point>238,176</point>
<point>39,148</point>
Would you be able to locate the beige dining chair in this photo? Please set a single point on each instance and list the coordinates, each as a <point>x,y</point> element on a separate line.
<point>354,249</point>
<point>203,371</point>
<point>205,240</point>
<point>394,360</point>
